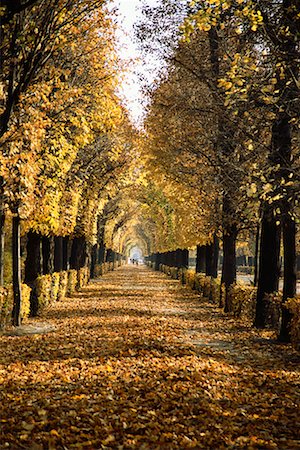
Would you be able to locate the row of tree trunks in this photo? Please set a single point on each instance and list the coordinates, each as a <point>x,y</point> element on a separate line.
<point>176,258</point>
<point>79,253</point>
<point>207,258</point>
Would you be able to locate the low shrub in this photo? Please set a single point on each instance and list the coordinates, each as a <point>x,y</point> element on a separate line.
<point>25,305</point>
<point>83,277</point>
<point>101,269</point>
<point>72,281</point>
<point>98,271</point>
<point>55,286</point>
<point>7,303</point>
<point>247,270</point>
<point>63,285</point>
<point>6,306</point>
<point>242,299</point>
<point>272,306</point>
<point>171,271</point>
<point>43,293</point>
<point>293,305</point>
<point>190,277</point>
<point>209,287</point>
<point>203,284</point>
<point>174,273</point>
<point>182,275</point>
<point>215,290</point>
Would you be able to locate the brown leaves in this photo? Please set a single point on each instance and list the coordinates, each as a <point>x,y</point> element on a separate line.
<point>137,362</point>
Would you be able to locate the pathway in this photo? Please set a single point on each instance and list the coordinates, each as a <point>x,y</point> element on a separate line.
<point>137,361</point>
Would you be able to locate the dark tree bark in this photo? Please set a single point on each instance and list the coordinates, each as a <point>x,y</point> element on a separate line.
<point>33,262</point>
<point>16,263</point>
<point>288,88</point>
<point>256,257</point>
<point>2,230</point>
<point>101,252</point>
<point>157,260</point>
<point>212,258</point>
<point>48,254</point>
<point>58,254</point>
<point>229,262</point>
<point>269,268</point>
<point>78,257</point>
<point>282,145</point>
<point>201,259</point>
<point>182,258</point>
<point>2,241</point>
<point>94,260</point>
<point>66,248</point>
<point>290,281</point>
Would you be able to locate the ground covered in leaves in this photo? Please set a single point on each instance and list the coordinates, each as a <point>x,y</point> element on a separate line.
<point>137,361</point>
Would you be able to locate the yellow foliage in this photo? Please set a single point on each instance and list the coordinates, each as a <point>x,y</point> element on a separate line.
<point>43,286</point>
<point>6,304</point>
<point>72,282</point>
<point>63,284</point>
<point>293,305</point>
<point>83,277</point>
<point>55,286</point>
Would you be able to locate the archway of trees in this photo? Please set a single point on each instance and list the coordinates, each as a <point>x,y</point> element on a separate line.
<point>216,165</point>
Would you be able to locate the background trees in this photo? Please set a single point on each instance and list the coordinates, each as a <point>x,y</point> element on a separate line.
<point>238,63</point>
<point>217,159</point>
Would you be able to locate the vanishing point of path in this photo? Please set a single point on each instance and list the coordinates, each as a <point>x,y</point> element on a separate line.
<point>137,361</point>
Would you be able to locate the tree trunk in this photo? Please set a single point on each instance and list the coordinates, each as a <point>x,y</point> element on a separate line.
<point>200,259</point>
<point>182,258</point>
<point>33,262</point>
<point>282,143</point>
<point>78,253</point>
<point>58,253</point>
<point>290,281</point>
<point>94,260</point>
<point>48,254</point>
<point>2,230</point>
<point>157,260</point>
<point>16,266</point>
<point>101,253</point>
<point>256,257</point>
<point>211,258</point>
<point>229,262</point>
<point>268,278</point>
<point>2,241</point>
<point>66,246</point>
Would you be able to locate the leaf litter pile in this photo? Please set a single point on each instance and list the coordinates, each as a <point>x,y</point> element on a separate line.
<point>137,361</point>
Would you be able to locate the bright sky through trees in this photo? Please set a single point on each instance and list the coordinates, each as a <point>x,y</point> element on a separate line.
<point>129,11</point>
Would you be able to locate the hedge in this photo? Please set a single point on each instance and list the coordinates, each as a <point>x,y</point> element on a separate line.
<point>293,305</point>
<point>6,304</point>
<point>101,269</point>
<point>242,298</point>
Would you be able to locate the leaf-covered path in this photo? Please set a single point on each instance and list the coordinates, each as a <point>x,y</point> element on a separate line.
<point>137,361</point>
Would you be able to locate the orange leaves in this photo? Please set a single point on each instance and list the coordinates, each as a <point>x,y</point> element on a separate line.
<point>138,361</point>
